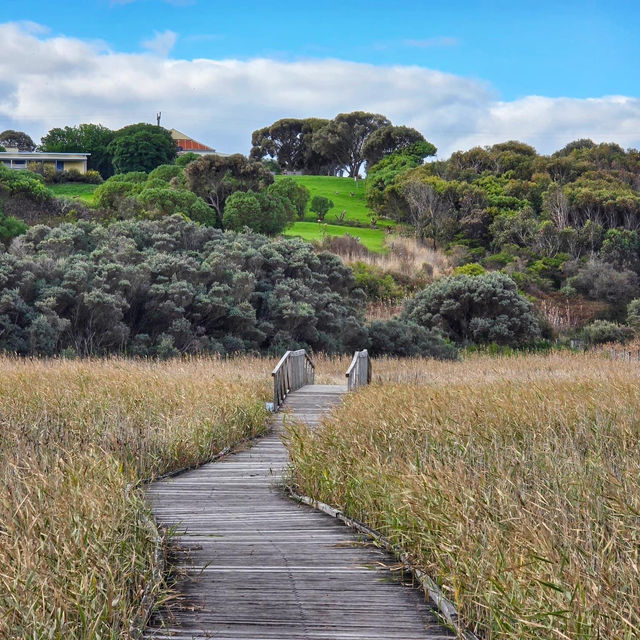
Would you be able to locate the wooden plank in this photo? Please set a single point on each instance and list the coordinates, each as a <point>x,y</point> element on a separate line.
<point>255,565</point>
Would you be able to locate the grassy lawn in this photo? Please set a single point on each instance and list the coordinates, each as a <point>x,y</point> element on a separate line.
<point>373,239</point>
<point>339,191</point>
<point>78,190</point>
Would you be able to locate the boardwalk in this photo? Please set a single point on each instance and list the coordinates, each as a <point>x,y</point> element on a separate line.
<point>258,566</point>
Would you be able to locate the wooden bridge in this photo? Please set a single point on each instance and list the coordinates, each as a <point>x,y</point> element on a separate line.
<point>254,565</point>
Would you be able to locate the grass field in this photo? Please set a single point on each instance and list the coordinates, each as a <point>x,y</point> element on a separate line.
<point>339,191</point>
<point>514,482</point>
<point>78,190</point>
<point>372,239</point>
<point>76,440</point>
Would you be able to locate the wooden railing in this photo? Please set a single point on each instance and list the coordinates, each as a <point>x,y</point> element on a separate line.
<point>359,371</point>
<point>294,370</point>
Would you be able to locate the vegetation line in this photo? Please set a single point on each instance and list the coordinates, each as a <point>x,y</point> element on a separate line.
<point>446,608</point>
<point>158,567</point>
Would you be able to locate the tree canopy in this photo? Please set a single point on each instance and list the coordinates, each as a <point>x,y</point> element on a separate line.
<point>85,138</point>
<point>391,139</point>
<point>141,147</point>
<point>344,137</point>
<point>10,138</point>
<point>214,178</point>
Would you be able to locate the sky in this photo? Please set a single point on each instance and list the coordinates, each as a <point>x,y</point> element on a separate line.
<point>464,73</point>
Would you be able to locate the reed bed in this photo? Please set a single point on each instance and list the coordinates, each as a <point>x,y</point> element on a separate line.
<point>514,482</point>
<point>76,440</point>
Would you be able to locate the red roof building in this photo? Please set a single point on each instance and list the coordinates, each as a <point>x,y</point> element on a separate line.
<point>187,144</point>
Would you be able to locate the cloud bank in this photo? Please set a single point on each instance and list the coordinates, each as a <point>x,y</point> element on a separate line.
<point>48,81</point>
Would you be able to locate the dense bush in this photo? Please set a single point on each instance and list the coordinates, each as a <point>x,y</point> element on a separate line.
<point>602,331</point>
<point>633,315</point>
<point>602,281</point>
<point>475,310</point>
<point>261,212</point>
<point>376,284</point>
<point>407,339</point>
<point>10,227</point>
<point>171,286</point>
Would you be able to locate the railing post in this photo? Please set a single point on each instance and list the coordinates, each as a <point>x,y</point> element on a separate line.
<point>359,371</point>
<point>294,370</point>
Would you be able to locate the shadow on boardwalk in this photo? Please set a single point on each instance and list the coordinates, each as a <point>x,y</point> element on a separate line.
<point>258,566</point>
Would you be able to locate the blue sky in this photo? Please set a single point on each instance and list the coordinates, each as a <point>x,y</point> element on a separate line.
<point>498,54</point>
<point>576,49</point>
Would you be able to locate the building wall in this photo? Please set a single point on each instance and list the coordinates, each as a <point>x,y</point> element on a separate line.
<point>78,165</point>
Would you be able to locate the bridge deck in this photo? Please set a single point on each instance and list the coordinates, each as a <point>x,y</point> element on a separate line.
<point>258,566</point>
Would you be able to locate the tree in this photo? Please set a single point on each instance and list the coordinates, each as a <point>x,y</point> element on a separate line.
<point>283,140</point>
<point>214,178</point>
<point>392,139</point>
<point>621,248</point>
<point>289,142</point>
<point>85,138</point>
<point>296,194</point>
<point>141,147</point>
<point>261,212</point>
<point>479,309</point>
<point>159,202</point>
<point>17,140</point>
<point>427,207</point>
<point>343,138</point>
<point>320,206</point>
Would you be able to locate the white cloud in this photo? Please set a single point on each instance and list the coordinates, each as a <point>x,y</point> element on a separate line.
<point>162,43</point>
<point>51,81</point>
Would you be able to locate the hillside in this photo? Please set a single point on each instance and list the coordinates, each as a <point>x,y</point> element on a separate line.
<point>348,196</point>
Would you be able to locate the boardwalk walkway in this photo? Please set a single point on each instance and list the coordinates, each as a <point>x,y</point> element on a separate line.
<point>258,566</point>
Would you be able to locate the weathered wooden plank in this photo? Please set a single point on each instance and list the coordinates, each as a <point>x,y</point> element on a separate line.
<point>255,565</point>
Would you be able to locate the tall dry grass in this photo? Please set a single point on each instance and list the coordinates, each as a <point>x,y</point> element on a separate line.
<point>515,482</point>
<point>404,256</point>
<point>76,440</point>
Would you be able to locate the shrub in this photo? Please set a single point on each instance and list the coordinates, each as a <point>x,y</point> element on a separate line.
<point>470,269</point>
<point>260,212</point>
<point>602,281</point>
<point>633,314</point>
<point>160,287</point>
<point>601,331</point>
<point>186,158</point>
<point>166,172</point>
<point>320,206</point>
<point>297,194</point>
<point>475,310</point>
<point>375,283</point>
<point>10,227</point>
<point>406,339</point>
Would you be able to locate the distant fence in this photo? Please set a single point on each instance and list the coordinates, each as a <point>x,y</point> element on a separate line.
<point>620,354</point>
<point>359,371</point>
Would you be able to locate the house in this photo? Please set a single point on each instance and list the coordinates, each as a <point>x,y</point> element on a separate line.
<point>59,161</point>
<point>187,144</point>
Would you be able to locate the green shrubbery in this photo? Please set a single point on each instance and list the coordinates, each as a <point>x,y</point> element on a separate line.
<point>475,310</point>
<point>602,331</point>
<point>170,286</point>
<point>407,339</point>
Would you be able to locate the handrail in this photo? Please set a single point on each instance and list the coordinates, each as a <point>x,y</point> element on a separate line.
<point>359,371</point>
<point>295,370</point>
